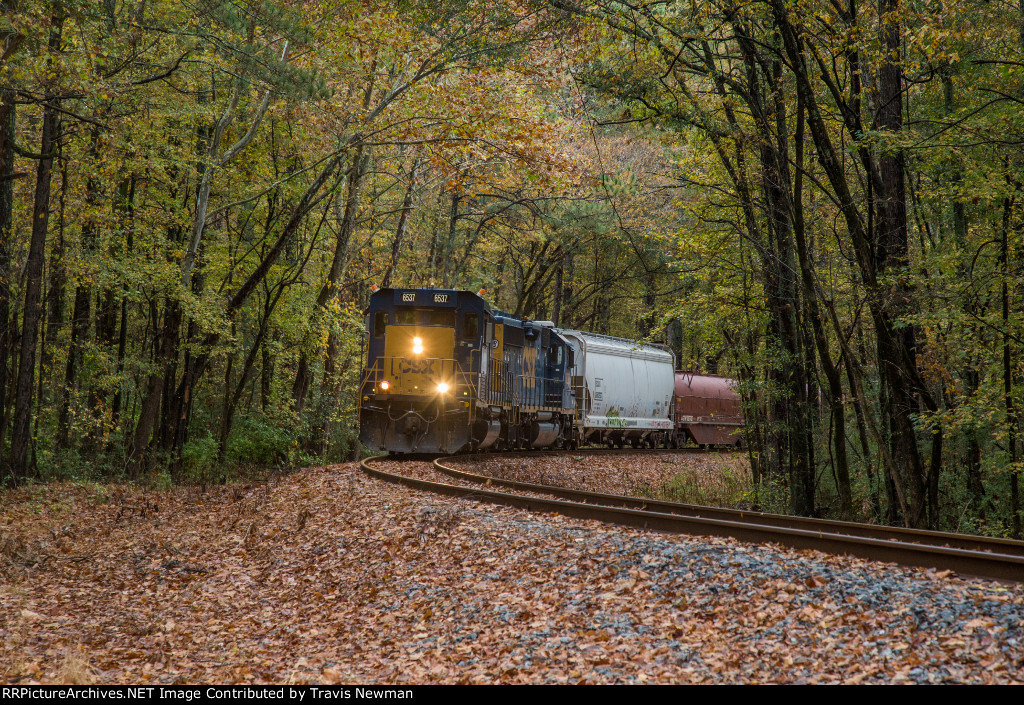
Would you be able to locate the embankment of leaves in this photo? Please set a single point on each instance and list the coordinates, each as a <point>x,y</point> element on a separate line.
<point>326,575</point>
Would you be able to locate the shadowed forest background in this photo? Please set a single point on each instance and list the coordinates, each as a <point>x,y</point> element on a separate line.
<point>821,199</point>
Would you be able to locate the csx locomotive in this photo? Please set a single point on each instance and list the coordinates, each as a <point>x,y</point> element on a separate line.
<point>445,372</point>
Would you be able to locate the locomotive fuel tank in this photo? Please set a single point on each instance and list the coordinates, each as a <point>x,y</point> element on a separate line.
<point>707,409</point>
<point>622,388</point>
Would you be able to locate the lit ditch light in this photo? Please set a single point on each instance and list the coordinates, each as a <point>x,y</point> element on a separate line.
<point>417,346</point>
<point>385,385</point>
<point>442,387</point>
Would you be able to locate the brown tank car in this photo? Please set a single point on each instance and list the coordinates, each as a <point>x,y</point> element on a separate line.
<point>706,410</point>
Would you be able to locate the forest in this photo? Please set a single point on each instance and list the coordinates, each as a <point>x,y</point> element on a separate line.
<point>819,198</point>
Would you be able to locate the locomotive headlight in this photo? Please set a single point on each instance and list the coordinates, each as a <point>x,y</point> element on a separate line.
<point>442,387</point>
<point>417,345</point>
<point>385,386</point>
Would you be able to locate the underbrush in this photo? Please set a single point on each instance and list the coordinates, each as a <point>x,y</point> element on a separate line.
<point>721,486</point>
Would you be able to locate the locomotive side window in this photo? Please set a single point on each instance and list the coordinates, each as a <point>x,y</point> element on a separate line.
<point>471,326</point>
<point>442,317</point>
<point>380,322</point>
<point>406,316</point>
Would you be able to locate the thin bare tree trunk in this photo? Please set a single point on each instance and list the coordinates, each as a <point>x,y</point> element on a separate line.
<point>403,220</point>
<point>346,216</point>
<point>7,176</point>
<point>34,280</point>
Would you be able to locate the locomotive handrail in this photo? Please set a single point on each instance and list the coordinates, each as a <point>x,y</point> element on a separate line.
<point>539,392</point>
<point>368,374</point>
<point>469,385</point>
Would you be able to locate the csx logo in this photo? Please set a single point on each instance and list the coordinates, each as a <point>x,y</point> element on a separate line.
<point>416,366</point>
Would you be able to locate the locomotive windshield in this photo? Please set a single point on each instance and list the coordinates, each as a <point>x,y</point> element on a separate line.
<point>441,317</point>
<point>424,317</point>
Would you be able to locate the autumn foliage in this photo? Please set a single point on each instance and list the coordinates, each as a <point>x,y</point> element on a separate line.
<point>819,200</point>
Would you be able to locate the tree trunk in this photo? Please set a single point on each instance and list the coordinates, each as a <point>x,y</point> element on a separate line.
<point>403,220</point>
<point>248,370</point>
<point>196,365</point>
<point>442,255</point>
<point>33,282</point>
<point>7,176</point>
<point>56,286</point>
<point>346,216</point>
<point>897,345</point>
<point>1008,400</point>
<point>79,332</point>
<point>81,312</point>
<point>127,208</point>
<point>165,344</point>
<point>894,344</point>
<point>837,410</point>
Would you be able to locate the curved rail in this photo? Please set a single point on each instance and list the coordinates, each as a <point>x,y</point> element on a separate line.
<point>1004,561</point>
<point>886,533</point>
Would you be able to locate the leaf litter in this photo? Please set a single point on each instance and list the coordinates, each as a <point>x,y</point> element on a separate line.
<point>329,576</point>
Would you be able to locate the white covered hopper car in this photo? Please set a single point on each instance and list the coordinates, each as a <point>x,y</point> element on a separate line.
<point>623,389</point>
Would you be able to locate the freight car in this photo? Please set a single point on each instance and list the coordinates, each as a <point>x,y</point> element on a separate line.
<point>446,372</point>
<point>706,410</point>
<point>622,389</point>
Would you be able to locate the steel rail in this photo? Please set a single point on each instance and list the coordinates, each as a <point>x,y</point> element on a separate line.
<point>887,533</point>
<point>986,564</point>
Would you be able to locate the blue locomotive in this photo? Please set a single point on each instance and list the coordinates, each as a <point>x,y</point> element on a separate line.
<point>446,372</point>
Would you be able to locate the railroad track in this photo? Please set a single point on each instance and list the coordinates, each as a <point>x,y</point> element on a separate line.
<point>999,559</point>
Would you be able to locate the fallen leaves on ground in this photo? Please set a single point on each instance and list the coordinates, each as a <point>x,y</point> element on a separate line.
<point>330,576</point>
<point>714,479</point>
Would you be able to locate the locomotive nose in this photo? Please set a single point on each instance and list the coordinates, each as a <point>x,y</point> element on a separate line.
<point>418,359</point>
